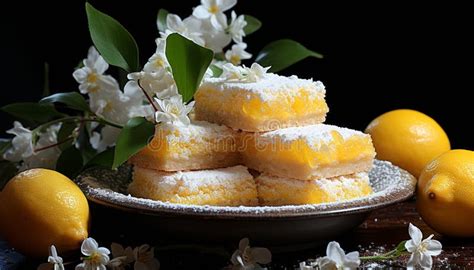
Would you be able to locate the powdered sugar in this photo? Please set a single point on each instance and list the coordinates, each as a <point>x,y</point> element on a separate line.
<point>196,131</point>
<point>390,184</point>
<point>269,87</point>
<point>192,180</point>
<point>314,135</point>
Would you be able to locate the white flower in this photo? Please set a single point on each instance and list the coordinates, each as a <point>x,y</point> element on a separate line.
<point>158,83</point>
<point>256,72</point>
<point>122,257</point>
<point>248,258</point>
<point>22,143</point>
<point>107,137</point>
<point>215,38</point>
<point>96,257</point>
<point>336,258</point>
<point>145,258</point>
<point>189,28</point>
<point>54,261</point>
<point>173,110</point>
<point>158,60</point>
<point>421,251</point>
<point>45,153</point>
<point>91,76</point>
<point>236,27</point>
<point>213,9</point>
<point>231,72</point>
<point>308,266</point>
<point>237,53</point>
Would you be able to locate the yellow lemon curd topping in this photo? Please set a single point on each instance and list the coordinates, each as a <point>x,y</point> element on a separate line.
<point>274,190</point>
<point>199,145</point>
<point>268,104</point>
<point>308,152</point>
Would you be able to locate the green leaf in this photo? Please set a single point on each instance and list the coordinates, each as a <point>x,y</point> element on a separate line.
<point>188,62</point>
<point>283,53</point>
<point>134,136</point>
<point>103,159</point>
<point>7,171</point>
<point>112,40</point>
<point>216,71</point>
<point>72,100</point>
<point>65,132</point>
<point>253,24</point>
<point>161,19</point>
<point>70,162</point>
<point>401,246</point>
<point>5,144</point>
<point>32,111</point>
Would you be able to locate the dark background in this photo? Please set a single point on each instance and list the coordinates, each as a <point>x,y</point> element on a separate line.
<point>378,57</point>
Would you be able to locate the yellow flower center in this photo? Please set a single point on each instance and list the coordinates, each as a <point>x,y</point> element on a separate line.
<point>213,9</point>
<point>92,78</point>
<point>235,59</point>
<point>95,258</point>
<point>159,62</point>
<point>93,89</point>
<point>175,111</point>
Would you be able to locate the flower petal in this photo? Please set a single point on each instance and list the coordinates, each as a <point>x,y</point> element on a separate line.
<point>415,234</point>
<point>261,255</point>
<point>201,12</point>
<point>426,262</point>
<point>244,242</point>
<point>174,22</point>
<point>140,266</point>
<point>352,260</point>
<point>414,260</point>
<point>80,266</point>
<point>234,258</point>
<point>104,250</point>
<point>410,246</point>
<point>54,253</point>
<point>433,247</point>
<point>226,4</point>
<point>335,252</point>
<point>89,246</point>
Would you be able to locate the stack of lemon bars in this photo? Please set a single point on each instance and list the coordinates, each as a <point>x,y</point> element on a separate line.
<point>272,125</point>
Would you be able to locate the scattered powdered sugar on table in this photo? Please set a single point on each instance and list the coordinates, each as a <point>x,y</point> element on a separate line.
<point>269,87</point>
<point>389,182</point>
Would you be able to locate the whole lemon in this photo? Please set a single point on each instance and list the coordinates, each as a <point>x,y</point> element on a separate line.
<point>445,193</point>
<point>41,207</point>
<point>408,138</point>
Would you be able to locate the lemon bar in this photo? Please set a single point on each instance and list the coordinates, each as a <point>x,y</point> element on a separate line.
<point>270,103</point>
<point>274,190</point>
<point>232,186</point>
<point>199,145</point>
<point>309,152</point>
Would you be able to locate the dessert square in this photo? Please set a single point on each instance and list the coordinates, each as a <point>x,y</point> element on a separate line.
<point>199,145</point>
<point>274,190</point>
<point>232,186</point>
<point>271,103</point>
<point>309,152</point>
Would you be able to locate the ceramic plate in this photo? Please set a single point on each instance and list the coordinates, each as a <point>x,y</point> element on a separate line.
<point>269,224</point>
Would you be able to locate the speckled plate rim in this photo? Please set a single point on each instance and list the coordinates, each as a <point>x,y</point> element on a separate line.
<point>402,187</point>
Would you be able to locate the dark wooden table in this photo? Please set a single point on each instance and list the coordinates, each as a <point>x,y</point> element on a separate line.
<point>383,230</point>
